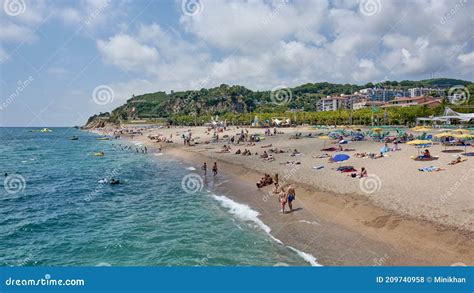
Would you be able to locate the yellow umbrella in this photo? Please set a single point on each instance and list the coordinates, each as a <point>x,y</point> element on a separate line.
<point>444,134</point>
<point>325,137</point>
<point>377,129</point>
<point>460,131</point>
<point>422,129</point>
<point>419,142</point>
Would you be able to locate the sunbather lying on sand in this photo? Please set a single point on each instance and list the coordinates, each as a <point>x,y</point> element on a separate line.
<point>331,149</point>
<point>266,146</point>
<point>290,163</point>
<point>458,160</point>
<point>321,156</point>
<point>270,158</point>
<point>361,155</point>
<point>296,153</point>
<point>276,151</point>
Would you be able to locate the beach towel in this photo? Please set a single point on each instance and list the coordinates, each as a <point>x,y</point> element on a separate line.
<point>331,149</point>
<point>430,169</point>
<point>385,150</point>
<point>345,169</point>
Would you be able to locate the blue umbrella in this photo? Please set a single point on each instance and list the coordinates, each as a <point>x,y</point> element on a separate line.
<point>340,157</point>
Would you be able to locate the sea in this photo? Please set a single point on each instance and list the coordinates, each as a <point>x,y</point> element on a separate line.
<point>58,208</point>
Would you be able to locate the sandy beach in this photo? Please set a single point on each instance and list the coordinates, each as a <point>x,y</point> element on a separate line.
<point>396,216</point>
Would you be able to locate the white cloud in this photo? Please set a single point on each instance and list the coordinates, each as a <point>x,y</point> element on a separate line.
<point>261,44</point>
<point>127,53</point>
<point>467,59</point>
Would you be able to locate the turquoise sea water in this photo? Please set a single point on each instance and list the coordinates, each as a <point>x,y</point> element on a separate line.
<point>54,211</point>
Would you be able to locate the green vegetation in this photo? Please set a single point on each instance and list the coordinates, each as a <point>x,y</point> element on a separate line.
<point>239,105</point>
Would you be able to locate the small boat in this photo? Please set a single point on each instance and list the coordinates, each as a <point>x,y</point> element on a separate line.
<point>74,138</point>
<point>45,130</point>
<point>99,154</point>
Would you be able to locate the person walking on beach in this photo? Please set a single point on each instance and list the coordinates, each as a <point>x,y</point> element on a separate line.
<point>204,168</point>
<point>291,197</point>
<point>282,198</point>
<point>214,169</point>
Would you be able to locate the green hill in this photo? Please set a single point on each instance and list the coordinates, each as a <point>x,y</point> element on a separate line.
<point>226,99</point>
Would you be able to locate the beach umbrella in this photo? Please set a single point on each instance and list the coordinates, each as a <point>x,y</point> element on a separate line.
<point>377,129</point>
<point>340,157</point>
<point>324,137</point>
<point>464,136</point>
<point>443,135</point>
<point>419,142</point>
<point>421,129</point>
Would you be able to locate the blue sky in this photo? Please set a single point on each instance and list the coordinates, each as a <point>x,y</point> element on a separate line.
<point>62,61</point>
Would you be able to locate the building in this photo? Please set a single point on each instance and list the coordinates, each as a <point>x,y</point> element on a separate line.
<point>413,101</point>
<point>383,94</point>
<point>334,103</point>
<point>417,92</point>
<point>365,103</point>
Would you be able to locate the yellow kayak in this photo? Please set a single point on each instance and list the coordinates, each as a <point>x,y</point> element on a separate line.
<point>101,154</point>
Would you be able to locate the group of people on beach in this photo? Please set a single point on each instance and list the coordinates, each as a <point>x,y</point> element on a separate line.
<point>285,196</point>
<point>214,169</point>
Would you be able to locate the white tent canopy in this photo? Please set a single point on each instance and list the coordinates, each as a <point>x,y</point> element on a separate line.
<point>448,115</point>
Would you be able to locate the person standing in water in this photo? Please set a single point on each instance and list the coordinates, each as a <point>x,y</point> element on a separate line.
<point>204,168</point>
<point>214,169</point>
<point>291,197</point>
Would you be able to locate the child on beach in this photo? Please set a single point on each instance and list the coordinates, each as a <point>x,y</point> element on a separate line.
<point>282,198</point>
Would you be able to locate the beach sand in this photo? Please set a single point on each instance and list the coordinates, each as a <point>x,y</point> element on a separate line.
<point>397,216</point>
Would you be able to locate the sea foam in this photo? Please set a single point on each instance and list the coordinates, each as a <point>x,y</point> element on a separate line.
<point>245,213</point>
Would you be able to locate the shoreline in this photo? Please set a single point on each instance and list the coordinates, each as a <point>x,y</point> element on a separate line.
<point>338,228</point>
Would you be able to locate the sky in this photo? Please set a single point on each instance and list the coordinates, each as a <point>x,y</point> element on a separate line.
<point>62,61</point>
